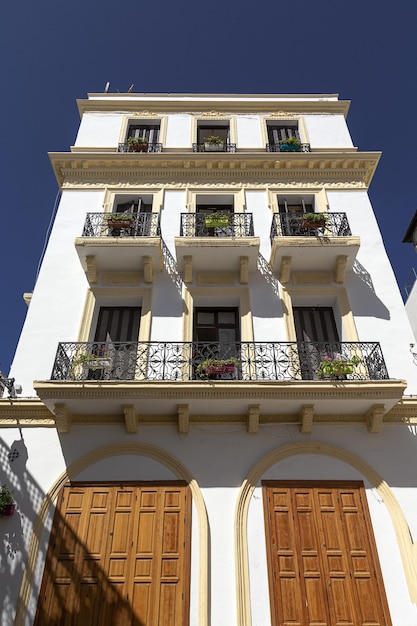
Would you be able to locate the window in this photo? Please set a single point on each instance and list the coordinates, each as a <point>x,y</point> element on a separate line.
<point>142,136</point>
<point>213,136</point>
<point>317,337</point>
<point>216,335</point>
<point>280,131</point>
<point>214,216</point>
<point>141,221</point>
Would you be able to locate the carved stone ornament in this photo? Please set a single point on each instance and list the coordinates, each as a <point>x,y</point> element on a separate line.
<point>144,113</point>
<point>209,114</point>
<point>279,115</point>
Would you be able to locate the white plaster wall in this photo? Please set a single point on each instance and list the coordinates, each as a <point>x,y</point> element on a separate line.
<point>178,131</point>
<point>373,291</point>
<point>100,130</point>
<point>219,457</point>
<point>58,298</point>
<point>248,129</point>
<point>327,131</point>
<point>411,309</point>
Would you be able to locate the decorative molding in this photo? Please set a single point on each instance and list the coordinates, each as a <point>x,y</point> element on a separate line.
<point>148,269</point>
<point>131,418</point>
<point>122,278</point>
<point>374,418</point>
<point>183,418</point>
<point>253,419</point>
<point>254,184</point>
<point>144,113</point>
<point>340,269</point>
<point>63,418</point>
<point>211,114</point>
<point>91,271</point>
<point>306,417</point>
<point>280,115</point>
<point>244,270</point>
<point>285,270</point>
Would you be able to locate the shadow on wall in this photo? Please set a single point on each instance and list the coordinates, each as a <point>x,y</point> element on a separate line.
<point>363,298</point>
<point>16,534</point>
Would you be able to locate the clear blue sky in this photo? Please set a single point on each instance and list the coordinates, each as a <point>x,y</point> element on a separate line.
<point>54,52</point>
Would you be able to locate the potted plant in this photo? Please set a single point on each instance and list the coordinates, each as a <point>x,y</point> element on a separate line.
<point>291,144</point>
<point>92,361</point>
<point>333,367</point>
<point>137,144</point>
<point>119,220</point>
<point>213,143</point>
<point>314,220</point>
<point>216,220</point>
<point>213,367</point>
<point>7,503</point>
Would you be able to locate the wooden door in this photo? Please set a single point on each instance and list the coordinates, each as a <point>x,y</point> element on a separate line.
<point>118,556</point>
<point>322,558</point>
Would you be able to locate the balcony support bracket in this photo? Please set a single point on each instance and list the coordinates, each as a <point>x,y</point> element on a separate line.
<point>131,418</point>
<point>285,270</point>
<point>147,269</point>
<point>306,416</point>
<point>92,274</point>
<point>244,270</point>
<point>188,269</point>
<point>253,419</point>
<point>63,418</point>
<point>374,418</point>
<point>184,419</point>
<point>340,269</point>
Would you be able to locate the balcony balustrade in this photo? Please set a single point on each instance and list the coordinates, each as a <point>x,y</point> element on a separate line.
<point>196,361</point>
<point>283,147</point>
<point>216,225</point>
<point>290,225</point>
<point>122,225</point>
<point>214,147</point>
<point>151,147</point>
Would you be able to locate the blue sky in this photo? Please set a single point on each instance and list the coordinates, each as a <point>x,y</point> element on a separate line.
<point>54,52</point>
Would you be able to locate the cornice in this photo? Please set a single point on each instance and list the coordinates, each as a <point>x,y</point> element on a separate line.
<point>97,169</point>
<point>195,104</point>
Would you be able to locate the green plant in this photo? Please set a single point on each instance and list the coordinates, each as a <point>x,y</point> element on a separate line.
<point>213,139</point>
<point>334,367</point>
<point>216,219</point>
<point>6,498</point>
<point>214,366</point>
<point>134,141</point>
<point>317,218</point>
<point>90,360</point>
<point>291,141</point>
<point>118,217</point>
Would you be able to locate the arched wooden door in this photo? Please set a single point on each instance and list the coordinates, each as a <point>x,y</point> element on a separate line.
<point>119,555</point>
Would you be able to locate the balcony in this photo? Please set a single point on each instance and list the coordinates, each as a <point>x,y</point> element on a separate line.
<point>299,245</point>
<point>178,383</point>
<point>214,242</point>
<point>120,242</point>
<point>283,147</point>
<point>149,147</point>
<point>214,147</point>
<point>181,361</point>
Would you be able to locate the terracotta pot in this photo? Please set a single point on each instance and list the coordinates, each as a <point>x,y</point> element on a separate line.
<point>119,223</point>
<point>8,510</point>
<point>227,368</point>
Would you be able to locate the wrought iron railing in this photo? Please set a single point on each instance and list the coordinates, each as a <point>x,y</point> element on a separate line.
<point>184,361</point>
<point>122,225</point>
<point>152,147</point>
<point>282,147</point>
<point>214,147</point>
<point>295,225</point>
<point>216,225</point>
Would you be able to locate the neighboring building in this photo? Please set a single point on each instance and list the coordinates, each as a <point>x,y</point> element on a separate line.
<point>278,486</point>
<point>411,288</point>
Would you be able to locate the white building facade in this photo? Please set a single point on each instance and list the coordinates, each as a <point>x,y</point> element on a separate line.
<point>218,424</point>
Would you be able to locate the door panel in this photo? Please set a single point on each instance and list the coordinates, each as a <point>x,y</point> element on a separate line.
<point>322,559</point>
<point>118,556</point>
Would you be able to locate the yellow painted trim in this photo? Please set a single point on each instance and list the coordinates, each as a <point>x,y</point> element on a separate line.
<point>195,190</point>
<point>145,116</point>
<point>348,321</point>
<point>242,293</point>
<point>87,316</point>
<point>282,117</point>
<point>320,196</point>
<point>111,192</point>
<point>213,116</point>
<point>71,473</point>
<point>407,548</point>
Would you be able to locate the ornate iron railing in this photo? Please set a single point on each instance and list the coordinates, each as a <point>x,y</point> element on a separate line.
<point>294,225</point>
<point>214,147</point>
<point>184,361</point>
<point>276,147</point>
<point>216,225</point>
<point>122,225</point>
<point>152,147</point>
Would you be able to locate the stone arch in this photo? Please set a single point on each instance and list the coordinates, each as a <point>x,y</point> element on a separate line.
<point>71,472</point>
<point>406,546</point>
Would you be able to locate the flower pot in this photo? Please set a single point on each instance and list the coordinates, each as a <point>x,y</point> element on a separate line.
<point>312,225</point>
<point>211,221</point>
<point>343,369</point>
<point>138,147</point>
<point>289,147</point>
<point>119,223</point>
<point>227,368</point>
<point>8,510</point>
<point>213,147</point>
